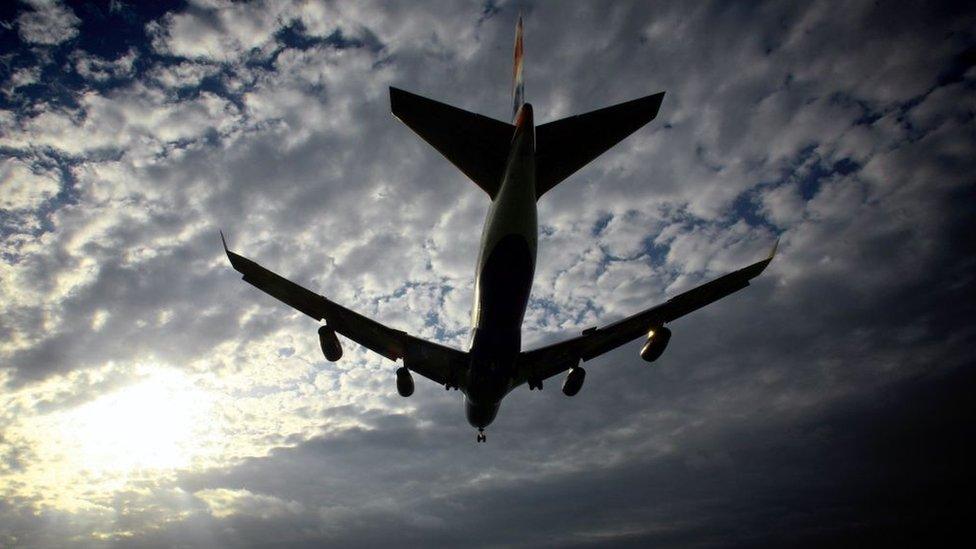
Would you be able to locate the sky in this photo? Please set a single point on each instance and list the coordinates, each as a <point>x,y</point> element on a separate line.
<point>150,398</point>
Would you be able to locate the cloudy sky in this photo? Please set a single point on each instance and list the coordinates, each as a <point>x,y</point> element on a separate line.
<point>151,398</point>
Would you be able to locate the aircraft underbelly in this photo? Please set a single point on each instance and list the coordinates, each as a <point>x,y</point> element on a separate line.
<point>505,281</point>
<point>506,265</point>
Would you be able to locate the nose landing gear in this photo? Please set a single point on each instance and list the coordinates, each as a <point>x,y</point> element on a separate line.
<point>481,435</point>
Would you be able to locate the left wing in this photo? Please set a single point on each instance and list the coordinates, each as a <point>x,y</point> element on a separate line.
<point>548,361</point>
<point>436,362</point>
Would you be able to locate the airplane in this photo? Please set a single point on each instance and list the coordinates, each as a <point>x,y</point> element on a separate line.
<point>515,164</point>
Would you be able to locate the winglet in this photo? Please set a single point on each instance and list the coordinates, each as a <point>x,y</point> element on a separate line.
<point>752,271</point>
<point>772,253</point>
<point>236,261</point>
<point>760,266</point>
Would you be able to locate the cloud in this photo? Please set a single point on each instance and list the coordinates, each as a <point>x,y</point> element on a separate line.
<point>221,31</point>
<point>23,187</point>
<point>141,120</point>
<point>100,70</point>
<point>183,75</point>
<point>21,77</point>
<point>224,503</point>
<point>48,23</point>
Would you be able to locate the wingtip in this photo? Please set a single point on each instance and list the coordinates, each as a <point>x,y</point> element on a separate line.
<point>236,261</point>
<point>772,253</point>
<point>397,97</point>
<point>758,267</point>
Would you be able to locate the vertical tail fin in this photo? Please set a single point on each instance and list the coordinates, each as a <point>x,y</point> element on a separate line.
<point>518,86</point>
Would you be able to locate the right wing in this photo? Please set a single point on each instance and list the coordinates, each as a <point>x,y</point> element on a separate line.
<point>436,362</point>
<point>553,359</point>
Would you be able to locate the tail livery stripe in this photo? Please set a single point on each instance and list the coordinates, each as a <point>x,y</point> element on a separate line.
<point>518,86</point>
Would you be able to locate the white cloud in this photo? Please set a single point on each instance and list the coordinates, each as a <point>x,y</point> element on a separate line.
<point>21,77</point>
<point>48,23</point>
<point>138,119</point>
<point>187,74</point>
<point>224,503</point>
<point>95,68</point>
<point>25,187</point>
<point>219,31</point>
<point>624,234</point>
<point>783,205</point>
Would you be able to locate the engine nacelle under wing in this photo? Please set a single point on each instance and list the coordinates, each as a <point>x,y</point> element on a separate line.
<point>574,381</point>
<point>404,381</point>
<point>330,344</point>
<point>657,341</point>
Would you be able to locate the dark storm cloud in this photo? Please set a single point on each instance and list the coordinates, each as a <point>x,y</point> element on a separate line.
<point>824,404</point>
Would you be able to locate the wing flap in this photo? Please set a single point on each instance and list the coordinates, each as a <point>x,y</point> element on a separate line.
<point>436,362</point>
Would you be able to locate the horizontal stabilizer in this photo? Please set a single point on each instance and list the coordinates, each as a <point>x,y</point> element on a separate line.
<point>565,146</point>
<point>476,144</point>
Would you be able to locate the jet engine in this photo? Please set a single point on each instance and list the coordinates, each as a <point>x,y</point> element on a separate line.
<point>657,341</point>
<point>404,381</point>
<point>330,344</point>
<point>574,381</point>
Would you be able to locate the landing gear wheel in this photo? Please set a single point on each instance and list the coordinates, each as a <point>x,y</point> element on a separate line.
<point>481,435</point>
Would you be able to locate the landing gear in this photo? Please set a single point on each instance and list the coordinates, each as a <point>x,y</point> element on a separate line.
<point>481,435</point>
<point>535,384</point>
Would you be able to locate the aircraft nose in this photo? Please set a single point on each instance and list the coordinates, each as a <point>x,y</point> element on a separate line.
<point>480,416</point>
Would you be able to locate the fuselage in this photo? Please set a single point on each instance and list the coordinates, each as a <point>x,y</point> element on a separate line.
<point>503,279</point>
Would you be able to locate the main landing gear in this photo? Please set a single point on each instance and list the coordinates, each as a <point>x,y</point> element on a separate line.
<point>481,435</point>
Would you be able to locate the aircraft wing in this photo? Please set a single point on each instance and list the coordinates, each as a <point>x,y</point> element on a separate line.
<point>551,360</point>
<point>436,362</point>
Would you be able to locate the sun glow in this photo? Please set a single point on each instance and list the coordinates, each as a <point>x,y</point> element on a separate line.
<point>155,424</point>
<point>141,432</point>
<point>78,442</point>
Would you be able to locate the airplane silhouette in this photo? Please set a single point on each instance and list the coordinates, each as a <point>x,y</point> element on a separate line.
<point>515,165</point>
